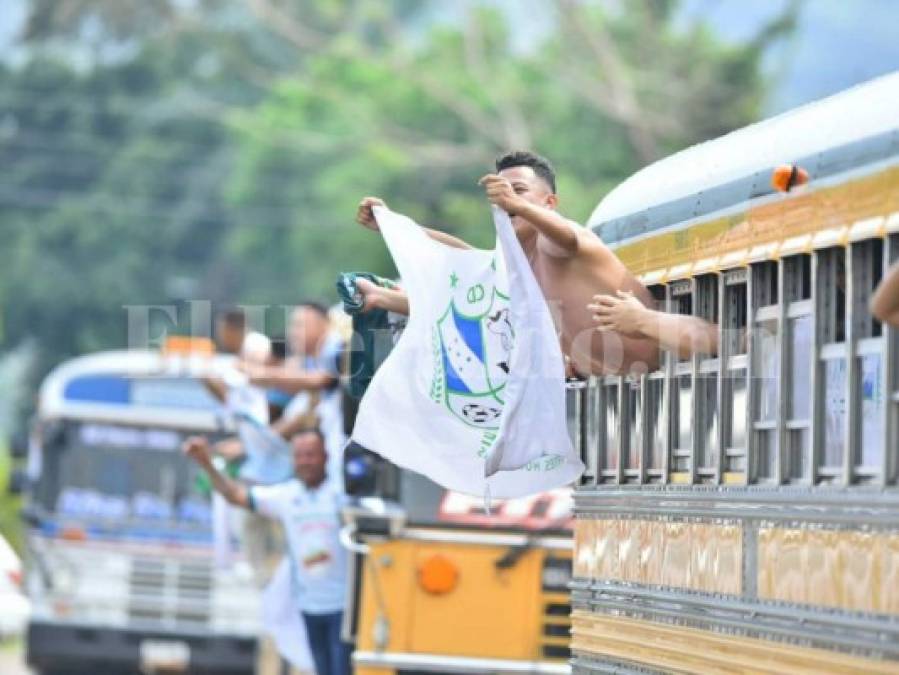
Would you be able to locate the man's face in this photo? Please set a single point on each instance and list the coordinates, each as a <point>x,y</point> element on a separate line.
<point>229,336</point>
<point>309,458</point>
<point>531,188</point>
<point>307,330</point>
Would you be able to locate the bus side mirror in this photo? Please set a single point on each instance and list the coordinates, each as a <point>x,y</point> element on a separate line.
<point>18,445</point>
<point>18,481</point>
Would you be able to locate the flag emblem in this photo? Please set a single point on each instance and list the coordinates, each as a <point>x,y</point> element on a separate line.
<point>474,358</point>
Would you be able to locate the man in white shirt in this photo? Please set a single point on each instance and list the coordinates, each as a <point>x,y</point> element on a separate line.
<point>308,507</point>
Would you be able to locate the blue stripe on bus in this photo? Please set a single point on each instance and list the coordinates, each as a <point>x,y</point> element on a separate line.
<point>98,389</point>
<point>135,533</point>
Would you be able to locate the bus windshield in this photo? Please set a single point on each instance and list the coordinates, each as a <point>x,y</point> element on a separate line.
<point>120,473</point>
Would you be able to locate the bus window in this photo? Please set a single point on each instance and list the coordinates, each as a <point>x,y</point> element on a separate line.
<point>586,415</point>
<point>681,302</point>
<point>798,343</point>
<point>707,385</point>
<point>830,298</point>
<point>656,432</point>
<point>634,443</point>
<point>611,427</point>
<point>766,368</point>
<point>869,405</point>
<point>733,351</point>
<point>654,400</point>
<point>891,465</point>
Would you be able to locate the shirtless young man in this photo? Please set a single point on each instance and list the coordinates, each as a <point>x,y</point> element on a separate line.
<point>570,263</point>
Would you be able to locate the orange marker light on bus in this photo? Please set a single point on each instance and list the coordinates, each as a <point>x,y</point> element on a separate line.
<point>188,346</point>
<point>438,575</point>
<point>787,176</point>
<point>73,533</point>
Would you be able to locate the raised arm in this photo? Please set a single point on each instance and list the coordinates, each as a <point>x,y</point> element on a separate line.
<point>289,379</point>
<point>289,424</point>
<point>678,333</point>
<point>366,217</point>
<point>555,228</point>
<point>197,448</point>
<point>885,301</point>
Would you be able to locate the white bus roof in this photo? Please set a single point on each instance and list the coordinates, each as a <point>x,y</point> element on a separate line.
<point>138,387</point>
<point>864,111</point>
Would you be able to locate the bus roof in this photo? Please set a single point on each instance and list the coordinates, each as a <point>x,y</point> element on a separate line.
<point>852,128</point>
<point>138,387</point>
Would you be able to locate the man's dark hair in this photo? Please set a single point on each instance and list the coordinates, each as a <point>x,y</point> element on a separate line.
<point>316,431</point>
<point>315,306</point>
<point>541,166</point>
<point>233,317</point>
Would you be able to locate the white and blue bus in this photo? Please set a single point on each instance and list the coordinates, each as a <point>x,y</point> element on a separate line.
<point>122,574</point>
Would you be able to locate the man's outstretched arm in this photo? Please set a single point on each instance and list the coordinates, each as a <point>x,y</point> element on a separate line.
<point>885,301</point>
<point>289,378</point>
<point>678,333</point>
<point>553,226</point>
<point>378,297</point>
<point>197,448</point>
<point>365,216</point>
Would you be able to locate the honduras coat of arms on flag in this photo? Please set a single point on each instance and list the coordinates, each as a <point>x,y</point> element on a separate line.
<point>472,395</point>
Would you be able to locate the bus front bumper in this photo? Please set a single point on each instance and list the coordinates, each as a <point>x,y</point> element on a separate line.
<point>65,647</point>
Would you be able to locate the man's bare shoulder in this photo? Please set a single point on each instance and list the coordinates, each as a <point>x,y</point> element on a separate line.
<point>589,242</point>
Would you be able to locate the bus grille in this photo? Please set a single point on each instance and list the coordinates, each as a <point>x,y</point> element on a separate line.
<point>170,593</point>
<point>555,629</point>
<point>555,620</point>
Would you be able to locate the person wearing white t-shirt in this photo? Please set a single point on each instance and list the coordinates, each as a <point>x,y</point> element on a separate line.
<point>308,508</point>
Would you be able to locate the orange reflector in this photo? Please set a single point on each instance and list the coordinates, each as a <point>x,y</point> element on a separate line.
<point>184,344</point>
<point>73,534</point>
<point>787,176</point>
<point>438,575</point>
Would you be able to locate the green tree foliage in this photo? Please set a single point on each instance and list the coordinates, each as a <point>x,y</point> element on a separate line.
<point>417,122</point>
<point>217,150</point>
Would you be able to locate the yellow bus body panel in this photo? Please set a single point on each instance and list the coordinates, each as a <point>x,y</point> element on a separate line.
<point>681,649</point>
<point>491,613</point>
<point>803,212</point>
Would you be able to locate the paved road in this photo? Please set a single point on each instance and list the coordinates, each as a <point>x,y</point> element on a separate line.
<point>12,660</point>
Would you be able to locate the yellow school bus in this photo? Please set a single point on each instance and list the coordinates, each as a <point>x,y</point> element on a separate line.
<point>439,585</point>
<point>740,512</point>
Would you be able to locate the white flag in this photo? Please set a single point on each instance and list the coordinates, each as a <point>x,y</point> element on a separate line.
<point>282,621</point>
<point>473,394</point>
